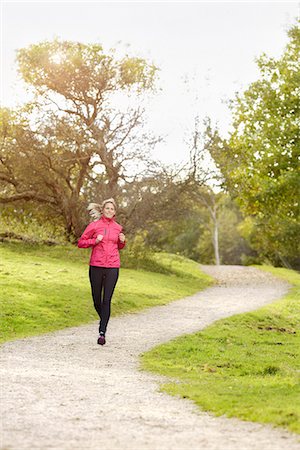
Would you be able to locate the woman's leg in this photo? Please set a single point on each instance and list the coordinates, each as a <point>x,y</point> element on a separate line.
<point>110,281</point>
<point>96,275</point>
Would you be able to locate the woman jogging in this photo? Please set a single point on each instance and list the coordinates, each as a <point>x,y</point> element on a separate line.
<point>106,238</point>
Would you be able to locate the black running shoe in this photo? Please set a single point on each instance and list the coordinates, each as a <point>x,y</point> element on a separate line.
<point>101,339</point>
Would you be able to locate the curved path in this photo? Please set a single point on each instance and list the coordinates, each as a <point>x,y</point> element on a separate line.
<point>62,391</point>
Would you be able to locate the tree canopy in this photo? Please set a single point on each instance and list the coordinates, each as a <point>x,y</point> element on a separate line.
<point>260,160</point>
<point>75,139</point>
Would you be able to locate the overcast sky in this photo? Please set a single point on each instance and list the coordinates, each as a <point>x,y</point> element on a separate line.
<point>213,44</point>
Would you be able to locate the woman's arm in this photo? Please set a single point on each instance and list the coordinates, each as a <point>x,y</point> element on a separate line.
<point>121,241</point>
<point>86,239</point>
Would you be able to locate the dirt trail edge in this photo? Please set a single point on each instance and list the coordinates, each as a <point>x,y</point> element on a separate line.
<point>62,391</point>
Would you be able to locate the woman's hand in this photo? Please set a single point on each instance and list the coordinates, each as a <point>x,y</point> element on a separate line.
<point>122,237</point>
<point>99,238</point>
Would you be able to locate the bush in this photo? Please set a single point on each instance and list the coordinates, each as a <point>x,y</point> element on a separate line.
<point>249,260</point>
<point>138,255</point>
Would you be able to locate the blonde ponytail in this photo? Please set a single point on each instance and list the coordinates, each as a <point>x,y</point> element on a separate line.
<point>94,210</point>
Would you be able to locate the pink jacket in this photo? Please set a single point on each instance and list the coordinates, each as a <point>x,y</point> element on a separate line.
<point>106,252</point>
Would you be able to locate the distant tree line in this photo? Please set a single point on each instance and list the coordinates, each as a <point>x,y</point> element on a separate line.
<point>76,142</point>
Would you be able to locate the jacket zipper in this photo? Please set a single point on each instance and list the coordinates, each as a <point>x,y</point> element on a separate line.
<point>107,240</point>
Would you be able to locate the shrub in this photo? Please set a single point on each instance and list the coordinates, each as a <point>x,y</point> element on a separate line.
<point>138,255</point>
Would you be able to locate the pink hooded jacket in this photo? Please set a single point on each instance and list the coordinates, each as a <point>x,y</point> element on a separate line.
<point>106,252</point>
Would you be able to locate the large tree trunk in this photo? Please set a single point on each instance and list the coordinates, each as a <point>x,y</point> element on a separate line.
<point>74,219</point>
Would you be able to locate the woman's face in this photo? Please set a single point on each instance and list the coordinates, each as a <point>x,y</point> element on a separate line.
<point>109,210</point>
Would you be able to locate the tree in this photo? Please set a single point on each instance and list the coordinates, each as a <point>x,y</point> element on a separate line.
<point>75,134</point>
<point>202,179</point>
<point>260,160</point>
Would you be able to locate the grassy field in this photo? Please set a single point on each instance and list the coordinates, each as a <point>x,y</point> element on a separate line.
<point>246,366</point>
<point>47,288</point>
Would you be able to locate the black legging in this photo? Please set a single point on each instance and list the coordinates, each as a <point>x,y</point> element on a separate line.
<point>103,281</point>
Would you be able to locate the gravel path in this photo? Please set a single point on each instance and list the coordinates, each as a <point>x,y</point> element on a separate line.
<point>62,391</point>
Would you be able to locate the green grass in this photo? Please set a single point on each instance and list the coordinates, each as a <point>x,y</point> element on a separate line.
<point>47,288</point>
<point>246,366</point>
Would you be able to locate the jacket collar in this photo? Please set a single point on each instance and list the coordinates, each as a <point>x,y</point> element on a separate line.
<point>107,219</point>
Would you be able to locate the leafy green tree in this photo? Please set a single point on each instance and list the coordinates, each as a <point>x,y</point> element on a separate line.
<point>260,160</point>
<point>75,138</point>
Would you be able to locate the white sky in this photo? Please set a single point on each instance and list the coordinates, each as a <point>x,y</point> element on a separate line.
<point>214,44</point>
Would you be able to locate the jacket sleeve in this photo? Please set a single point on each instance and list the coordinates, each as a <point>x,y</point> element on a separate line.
<point>86,239</point>
<point>121,244</point>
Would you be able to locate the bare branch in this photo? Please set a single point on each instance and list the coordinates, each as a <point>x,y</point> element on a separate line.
<point>27,196</point>
<point>8,179</point>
